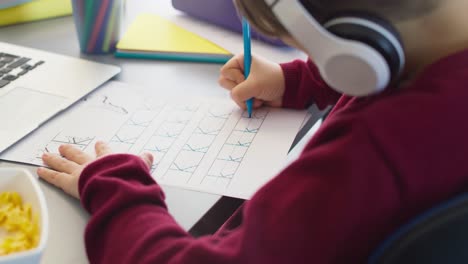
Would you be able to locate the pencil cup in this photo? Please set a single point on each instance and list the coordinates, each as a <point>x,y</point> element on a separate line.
<point>98,24</point>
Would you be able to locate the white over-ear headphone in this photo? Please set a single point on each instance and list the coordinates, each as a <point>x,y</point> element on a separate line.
<point>356,55</point>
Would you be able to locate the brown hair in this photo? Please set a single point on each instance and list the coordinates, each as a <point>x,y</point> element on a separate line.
<point>259,14</point>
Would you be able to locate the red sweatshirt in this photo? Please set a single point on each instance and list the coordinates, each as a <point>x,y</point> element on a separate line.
<point>375,163</point>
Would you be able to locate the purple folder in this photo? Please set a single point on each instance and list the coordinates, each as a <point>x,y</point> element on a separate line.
<point>219,12</point>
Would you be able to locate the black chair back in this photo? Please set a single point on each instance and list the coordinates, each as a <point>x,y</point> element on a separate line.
<point>439,235</point>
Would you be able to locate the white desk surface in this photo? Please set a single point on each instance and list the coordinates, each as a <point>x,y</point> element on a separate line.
<point>67,218</point>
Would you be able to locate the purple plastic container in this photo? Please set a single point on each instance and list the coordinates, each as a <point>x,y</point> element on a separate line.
<point>219,12</point>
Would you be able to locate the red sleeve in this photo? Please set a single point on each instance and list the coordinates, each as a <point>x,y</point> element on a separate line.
<point>316,211</point>
<point>305,86</point>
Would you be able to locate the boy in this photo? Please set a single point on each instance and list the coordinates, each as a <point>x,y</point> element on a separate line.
<point>376,162</point>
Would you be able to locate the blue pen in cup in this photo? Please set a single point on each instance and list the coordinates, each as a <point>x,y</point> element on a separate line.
<point>247,59</point>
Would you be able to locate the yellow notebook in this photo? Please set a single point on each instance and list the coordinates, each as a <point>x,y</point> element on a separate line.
<point>35,10</point>
<point>153,37</point>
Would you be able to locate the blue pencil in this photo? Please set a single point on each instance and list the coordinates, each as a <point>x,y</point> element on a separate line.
<point>247,59</point>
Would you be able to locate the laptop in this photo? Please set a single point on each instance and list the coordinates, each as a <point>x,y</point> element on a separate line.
<point>36,85</point>
<point>222,13</point>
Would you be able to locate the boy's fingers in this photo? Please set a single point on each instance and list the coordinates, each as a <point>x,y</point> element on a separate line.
<point>102,149</point>
<point>53,177</point>
<point>243,92</point>
<point>237,62</point>
<point>58,163</point>
<point>241,105</point>
<point>61,180</point>
<point>148,159</point>
<point>234,75</point>
<point>257,103</point>
<point>74,154</point>
<point>226,84</point>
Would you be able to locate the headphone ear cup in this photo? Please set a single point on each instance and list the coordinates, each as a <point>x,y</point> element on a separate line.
<point>345,28</point>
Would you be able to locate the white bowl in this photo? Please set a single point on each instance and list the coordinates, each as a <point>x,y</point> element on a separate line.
<point>23,182</point>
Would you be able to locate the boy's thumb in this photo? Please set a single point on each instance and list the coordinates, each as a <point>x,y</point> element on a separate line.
<point>244,91</point>
<point>148,159</point>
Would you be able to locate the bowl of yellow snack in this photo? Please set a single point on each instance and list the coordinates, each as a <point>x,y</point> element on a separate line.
<point>24,223</point>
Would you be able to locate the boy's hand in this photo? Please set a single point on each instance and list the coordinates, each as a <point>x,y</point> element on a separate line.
<point>265,83</point>
<point>66,169</point>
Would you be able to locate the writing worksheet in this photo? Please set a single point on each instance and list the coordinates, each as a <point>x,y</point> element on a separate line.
<point>204,144</point>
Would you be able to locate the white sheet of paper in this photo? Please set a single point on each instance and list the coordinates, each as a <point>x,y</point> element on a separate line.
<point>201,144</point>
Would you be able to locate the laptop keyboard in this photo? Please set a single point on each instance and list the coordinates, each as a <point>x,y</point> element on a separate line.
<point>13,67</point>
